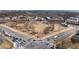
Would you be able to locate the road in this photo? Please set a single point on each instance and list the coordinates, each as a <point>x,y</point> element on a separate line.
<point>44,43</point>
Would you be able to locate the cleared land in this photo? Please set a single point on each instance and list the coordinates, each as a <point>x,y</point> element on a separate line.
<point>36,29</point>
<point>6,44</point>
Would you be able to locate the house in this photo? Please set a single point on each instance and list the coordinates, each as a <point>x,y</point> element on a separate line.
<point>73,20</point>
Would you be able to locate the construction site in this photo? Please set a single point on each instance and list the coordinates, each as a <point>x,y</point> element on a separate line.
<point>38,31</point>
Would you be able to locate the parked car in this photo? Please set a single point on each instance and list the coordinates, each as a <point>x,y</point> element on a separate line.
<point>64,24</point>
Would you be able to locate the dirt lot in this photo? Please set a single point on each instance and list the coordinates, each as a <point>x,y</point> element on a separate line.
<point>6,45</point>
<point>37,29</point>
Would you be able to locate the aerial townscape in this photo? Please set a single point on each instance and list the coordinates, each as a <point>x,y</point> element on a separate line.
<point>39,29</point>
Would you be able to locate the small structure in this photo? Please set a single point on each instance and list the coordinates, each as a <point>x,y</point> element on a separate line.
<point>7,18</point>
<point>14,18</point>
<point>73,20</point>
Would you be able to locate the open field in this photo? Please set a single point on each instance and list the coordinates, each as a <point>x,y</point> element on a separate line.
<point>39,29</point>
<point>36,29</point>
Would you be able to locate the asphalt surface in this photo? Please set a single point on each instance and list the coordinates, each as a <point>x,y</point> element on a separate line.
<point>46,43</point>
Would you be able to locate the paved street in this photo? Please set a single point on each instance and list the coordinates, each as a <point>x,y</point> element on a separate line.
<point>45,43</point>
